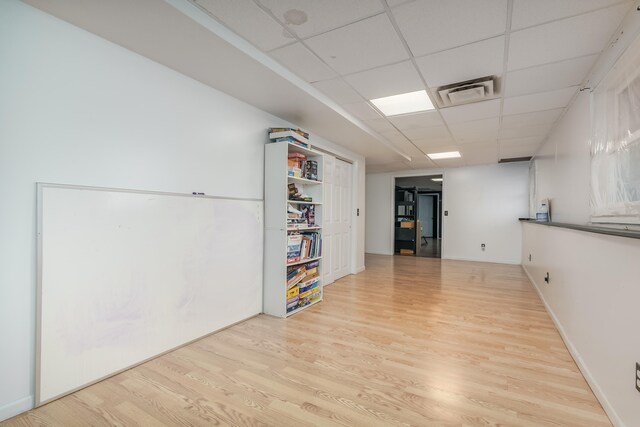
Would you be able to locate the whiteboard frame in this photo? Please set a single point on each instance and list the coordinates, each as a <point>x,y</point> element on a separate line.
<point>40,186</point>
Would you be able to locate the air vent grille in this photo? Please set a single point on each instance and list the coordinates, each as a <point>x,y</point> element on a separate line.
<point>467,92</point>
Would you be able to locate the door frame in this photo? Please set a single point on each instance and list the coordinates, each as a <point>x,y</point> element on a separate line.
<point>392,199</point>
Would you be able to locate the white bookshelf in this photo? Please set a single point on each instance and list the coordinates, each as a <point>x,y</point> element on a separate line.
<point>276,231</point>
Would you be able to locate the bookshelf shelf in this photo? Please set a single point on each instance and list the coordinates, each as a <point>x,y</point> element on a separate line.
<point>304,229</point>
<point>304,261</point>
<point>300,202</point>
<point>292,228</point>
<point>303,180</point>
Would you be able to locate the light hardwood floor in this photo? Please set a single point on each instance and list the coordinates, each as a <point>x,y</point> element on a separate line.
<point>410,341</point>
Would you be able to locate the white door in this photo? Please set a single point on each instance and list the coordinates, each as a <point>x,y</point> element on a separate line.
<point>336,241</point>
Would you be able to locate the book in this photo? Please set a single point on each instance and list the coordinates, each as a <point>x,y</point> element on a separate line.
<point>311,170</point>
<point>294,241</point>
<point>309,213</point>
<point>297,134</point>
<point>293,292</point>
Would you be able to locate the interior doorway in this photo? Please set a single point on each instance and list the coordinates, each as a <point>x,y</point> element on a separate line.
<point>418,216</point>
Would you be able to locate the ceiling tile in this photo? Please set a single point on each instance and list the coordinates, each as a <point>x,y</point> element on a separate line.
<point>430,26</point>
<point>549,76</point>
<point>362,110</point>
<point>386,167</point>
<point>468,112</point>
<point>518,142</point>
<point>338,90</point>
<point>525,150</point>
<point>568,38</point>
<point>539,101</point>
<point>417,120</point>
<point>394,3</point>
<point>477,130</point>
<point>527,13</point>
<point>437,132</point>
<point>477,154</point>
<point>249,21</point>
<point>301,61</point>
<point>526,131</point>
<point>386,81</point>
<point>468,62</point>
<point>402,144</point>
<point>365,44</point>
<point>528,119</point>
<point>321,16</point>
<point>436,145</point>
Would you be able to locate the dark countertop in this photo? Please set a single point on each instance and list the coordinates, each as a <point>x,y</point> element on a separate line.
<point>610,231</point>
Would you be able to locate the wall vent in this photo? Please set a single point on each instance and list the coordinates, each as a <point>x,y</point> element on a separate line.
<point>515,159</point>
<point>468,91</point>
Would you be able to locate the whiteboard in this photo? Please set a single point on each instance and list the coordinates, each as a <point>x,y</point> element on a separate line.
<point>124,276</point>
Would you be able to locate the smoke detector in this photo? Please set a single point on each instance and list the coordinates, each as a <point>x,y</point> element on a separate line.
<point>467,92</point>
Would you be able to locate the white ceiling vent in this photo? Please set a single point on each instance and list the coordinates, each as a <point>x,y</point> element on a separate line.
<point>467,92</point>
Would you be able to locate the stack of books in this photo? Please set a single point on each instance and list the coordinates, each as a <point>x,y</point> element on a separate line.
<point>296,165</point>
<point>290,135</point>
<point>304,245</point>
<point>303,285</point>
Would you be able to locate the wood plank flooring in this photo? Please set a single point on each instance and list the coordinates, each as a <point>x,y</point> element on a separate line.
<point>411,341</point>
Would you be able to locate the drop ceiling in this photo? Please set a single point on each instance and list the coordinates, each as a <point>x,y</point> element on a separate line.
<point>353,51</point>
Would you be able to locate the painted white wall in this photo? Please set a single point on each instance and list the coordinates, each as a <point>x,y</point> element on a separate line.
<point>76,109</point>
<point>379,219</point>
<point>594,293</point>
<point>593,298</point>
<point>563,165</point>
<point>484,204</point>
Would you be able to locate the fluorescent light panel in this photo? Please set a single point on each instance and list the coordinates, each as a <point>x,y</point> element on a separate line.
<point>436,179</point>
<point>447,155</point>
<point>404,103</point>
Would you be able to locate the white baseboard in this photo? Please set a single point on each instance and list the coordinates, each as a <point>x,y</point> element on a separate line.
<point>360,269</point>
<point>491,261</point>
<point>377,253</point>
<point>17,407</point>
<point>595,387</point>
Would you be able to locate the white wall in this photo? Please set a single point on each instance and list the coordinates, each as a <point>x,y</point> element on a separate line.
<point>484,204</point>
<point>563,165</point>
<point>594,292</point>
<point>76,109</point>
<point>593,296</point>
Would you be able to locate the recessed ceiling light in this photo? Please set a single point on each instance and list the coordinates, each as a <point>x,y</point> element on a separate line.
<point>404,103</point>
<point>436,179</point>
<point>447,155</point>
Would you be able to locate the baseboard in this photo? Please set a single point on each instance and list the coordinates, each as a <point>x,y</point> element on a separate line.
<point>377,253</point>
<point>360,269</point>
<point>595,387</point>
<point>15,408</point>
<point>482,260</point>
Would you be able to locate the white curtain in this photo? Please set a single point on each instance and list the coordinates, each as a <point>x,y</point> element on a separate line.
<point>615,142</point>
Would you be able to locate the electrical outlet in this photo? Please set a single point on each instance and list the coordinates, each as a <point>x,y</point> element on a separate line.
<point>483,246</point>
<point>637,376</point>
<point>547,278</point>
<point>529,257</point>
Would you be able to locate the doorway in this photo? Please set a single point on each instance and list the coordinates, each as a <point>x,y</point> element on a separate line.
<point>418,216</point>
